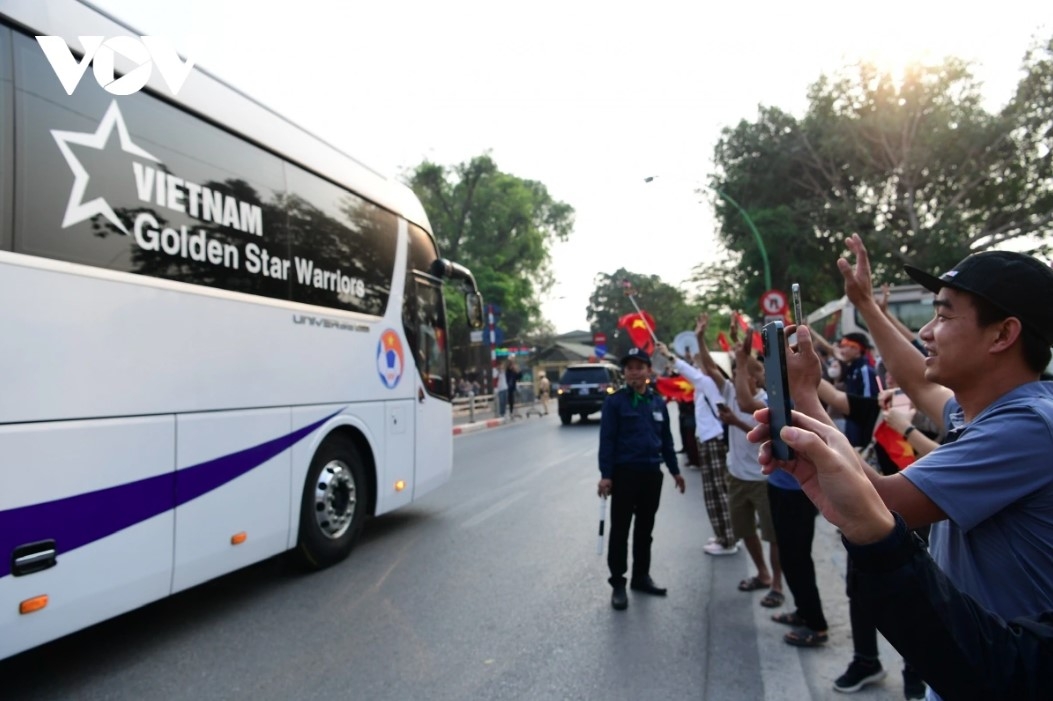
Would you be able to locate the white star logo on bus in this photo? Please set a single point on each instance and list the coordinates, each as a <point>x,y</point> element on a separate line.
<point>77,210</point>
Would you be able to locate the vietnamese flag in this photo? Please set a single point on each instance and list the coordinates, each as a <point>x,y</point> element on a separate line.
<point>675,388</point>
<point>722,341</point>
<point>639,326</point>
<point>757,344</point>
<point>897,447</point>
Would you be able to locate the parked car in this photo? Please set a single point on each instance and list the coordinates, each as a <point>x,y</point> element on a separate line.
<point>583,387</point>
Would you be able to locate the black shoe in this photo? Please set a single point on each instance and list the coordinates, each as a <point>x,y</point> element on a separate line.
<point>858,675</point>
<point>913,686</point>
<point>619,600</point>
<point>647,586</point>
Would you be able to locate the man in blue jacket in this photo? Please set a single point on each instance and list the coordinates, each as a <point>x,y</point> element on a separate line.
<point>635,439</point>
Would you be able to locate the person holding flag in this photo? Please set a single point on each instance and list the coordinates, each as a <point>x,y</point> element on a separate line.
<point>676,388</point>
<point>712,450</point>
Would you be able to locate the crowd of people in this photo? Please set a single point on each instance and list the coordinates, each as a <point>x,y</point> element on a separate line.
<point>942,436</point>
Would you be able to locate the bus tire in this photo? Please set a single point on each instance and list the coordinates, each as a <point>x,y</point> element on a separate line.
<point>334,504</point>
<point>564,417</point>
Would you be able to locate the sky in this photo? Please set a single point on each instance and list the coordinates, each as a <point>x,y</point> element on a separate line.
<point>587,97</point>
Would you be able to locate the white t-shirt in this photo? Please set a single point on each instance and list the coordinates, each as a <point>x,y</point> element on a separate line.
<point>707,425</point>
<point>742,455</point>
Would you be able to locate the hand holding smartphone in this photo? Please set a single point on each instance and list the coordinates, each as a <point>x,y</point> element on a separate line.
<point>778,386</point>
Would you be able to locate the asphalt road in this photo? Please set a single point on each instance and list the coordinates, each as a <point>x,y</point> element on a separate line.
<point>489,588</point>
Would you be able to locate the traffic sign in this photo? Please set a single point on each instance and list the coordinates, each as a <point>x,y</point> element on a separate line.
<point>773,303</point>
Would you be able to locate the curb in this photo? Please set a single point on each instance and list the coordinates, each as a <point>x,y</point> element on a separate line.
<point>477,426</point>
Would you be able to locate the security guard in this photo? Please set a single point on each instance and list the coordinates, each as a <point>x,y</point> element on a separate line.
<point>635,439</point>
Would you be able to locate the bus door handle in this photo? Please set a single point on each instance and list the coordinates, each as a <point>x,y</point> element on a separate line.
<point>33,557</point>
<point>420,394</point>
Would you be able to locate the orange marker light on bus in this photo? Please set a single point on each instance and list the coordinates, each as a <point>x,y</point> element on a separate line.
<point>34,604</point>
<point>239,538</point>
<point>400,485</point>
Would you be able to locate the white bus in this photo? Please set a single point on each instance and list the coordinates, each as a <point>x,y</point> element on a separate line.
<point>220,338</point>
<point>911,304</point>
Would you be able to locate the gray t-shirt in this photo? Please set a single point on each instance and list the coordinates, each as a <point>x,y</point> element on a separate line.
<point>995,483</point>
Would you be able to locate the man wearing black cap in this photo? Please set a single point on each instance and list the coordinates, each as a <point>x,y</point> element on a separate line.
<point>988,490</point>
<point>635,439</point>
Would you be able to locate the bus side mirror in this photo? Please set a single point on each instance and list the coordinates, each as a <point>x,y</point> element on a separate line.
<point>473,306</point>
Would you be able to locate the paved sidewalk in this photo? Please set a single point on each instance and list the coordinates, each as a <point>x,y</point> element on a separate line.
<point>471,426</point>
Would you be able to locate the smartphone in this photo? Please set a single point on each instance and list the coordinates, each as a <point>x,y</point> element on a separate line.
<point>777,386</point>
<point>798,314</point>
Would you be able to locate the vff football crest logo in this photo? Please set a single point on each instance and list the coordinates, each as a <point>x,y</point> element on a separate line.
<point>390,358</point>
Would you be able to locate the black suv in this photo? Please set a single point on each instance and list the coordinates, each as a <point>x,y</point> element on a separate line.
<point>583,388</point>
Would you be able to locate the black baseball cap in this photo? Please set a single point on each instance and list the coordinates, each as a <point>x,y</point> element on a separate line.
<point>1016,283</point>
<point>636,354</point>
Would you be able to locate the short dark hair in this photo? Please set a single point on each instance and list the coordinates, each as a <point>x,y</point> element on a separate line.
<point>1037,352</point>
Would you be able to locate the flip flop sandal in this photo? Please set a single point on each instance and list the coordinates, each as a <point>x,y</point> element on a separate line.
<point>806,637</point>
<point>752,584</point>
<point>772,600</point>
<point>789,618</point>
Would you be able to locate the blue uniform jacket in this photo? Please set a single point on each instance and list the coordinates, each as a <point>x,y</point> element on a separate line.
<point>636,437</point>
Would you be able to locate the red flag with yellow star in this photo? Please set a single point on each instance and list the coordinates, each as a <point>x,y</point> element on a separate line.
<point>675,388</point>
<point>639,326</point>
<point>897,447</point>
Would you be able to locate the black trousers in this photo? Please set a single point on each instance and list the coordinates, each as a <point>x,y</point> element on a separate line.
<point>863,617</point>
<point>793,515</point>
<point>634,495</point>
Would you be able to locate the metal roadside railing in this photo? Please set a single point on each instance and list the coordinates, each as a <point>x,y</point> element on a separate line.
<point>473,407</point>
<point>480,407</point>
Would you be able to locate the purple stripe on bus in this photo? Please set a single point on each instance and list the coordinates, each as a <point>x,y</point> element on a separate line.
<point>78,520</point>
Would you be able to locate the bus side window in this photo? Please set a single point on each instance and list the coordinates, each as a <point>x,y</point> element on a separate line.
<point>424,321</point>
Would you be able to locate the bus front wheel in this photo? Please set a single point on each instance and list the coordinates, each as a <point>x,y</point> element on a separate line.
<point>333,507</point>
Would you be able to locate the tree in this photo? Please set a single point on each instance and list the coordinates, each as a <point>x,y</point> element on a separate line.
<point>499,226</point>
<point>1031,114</point>
<point>760,167</point>
<point>914,164</point>
<point>665,303</point>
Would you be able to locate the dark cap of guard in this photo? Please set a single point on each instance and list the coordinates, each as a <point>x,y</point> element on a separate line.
<point>636,354</point>
<point>1016,283</point>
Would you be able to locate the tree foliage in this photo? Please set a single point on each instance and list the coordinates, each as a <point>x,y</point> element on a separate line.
<point>914,164</point>
<point>608,303</point>
<point>501,227</point>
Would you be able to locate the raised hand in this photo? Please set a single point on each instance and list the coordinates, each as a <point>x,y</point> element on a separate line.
<point>803,366</point>
<point>701,323</point>
<point>859,286</point>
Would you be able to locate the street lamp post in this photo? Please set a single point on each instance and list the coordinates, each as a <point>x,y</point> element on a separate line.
<point>756,235</point>
<point>749,223</point>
